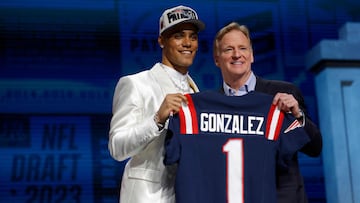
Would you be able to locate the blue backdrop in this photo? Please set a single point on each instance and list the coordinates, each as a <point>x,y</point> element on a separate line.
<point>60,61</point>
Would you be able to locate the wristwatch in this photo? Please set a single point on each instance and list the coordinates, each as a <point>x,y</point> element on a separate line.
<point>301,117</point>
<point>157,121</point>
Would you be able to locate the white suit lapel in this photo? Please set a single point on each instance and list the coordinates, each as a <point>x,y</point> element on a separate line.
<point>163,79</point>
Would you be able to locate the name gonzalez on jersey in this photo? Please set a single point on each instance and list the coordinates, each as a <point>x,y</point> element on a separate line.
<point>231,123</point>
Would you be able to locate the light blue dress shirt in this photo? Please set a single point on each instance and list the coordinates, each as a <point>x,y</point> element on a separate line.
<point>246,88</point>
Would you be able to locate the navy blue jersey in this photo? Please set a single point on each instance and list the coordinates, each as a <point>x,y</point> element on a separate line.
<point>227,148</point>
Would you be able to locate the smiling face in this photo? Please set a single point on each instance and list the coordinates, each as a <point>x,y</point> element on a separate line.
<point>179,46</point>
<point>234,56</point>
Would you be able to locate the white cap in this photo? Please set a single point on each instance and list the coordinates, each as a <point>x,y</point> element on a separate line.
<point>179,14</point>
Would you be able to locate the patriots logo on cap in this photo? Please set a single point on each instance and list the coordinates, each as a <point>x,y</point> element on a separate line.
<point>292,126</point>
<point>178,14</point>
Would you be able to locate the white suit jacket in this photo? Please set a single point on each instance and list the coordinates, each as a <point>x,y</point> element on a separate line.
<point>134,134</point>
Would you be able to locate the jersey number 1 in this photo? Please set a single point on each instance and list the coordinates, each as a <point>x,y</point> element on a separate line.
<point>233,149</point>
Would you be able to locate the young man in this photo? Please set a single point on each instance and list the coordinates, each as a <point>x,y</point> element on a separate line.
<point>233,54</point>
<point>142,104</point>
